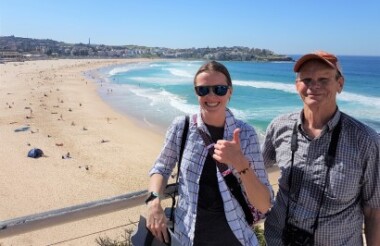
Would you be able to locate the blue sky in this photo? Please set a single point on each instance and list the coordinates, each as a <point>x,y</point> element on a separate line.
<point>284,26</point>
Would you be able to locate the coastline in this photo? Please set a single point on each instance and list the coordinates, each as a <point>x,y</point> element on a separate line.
<point>106,90</point>
<point>111,153</point>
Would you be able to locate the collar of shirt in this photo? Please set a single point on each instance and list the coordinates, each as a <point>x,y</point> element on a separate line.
<point>331,124</point>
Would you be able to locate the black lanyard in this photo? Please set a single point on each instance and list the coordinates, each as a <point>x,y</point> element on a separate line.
<point>330,159</point>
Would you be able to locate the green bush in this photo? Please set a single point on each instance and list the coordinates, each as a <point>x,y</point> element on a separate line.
<point>260,235</point>
<point>126,241</point>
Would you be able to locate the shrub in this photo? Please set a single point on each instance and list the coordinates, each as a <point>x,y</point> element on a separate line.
<point>126,241</point>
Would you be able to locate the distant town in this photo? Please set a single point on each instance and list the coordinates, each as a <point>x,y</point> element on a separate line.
<point>21,49</point>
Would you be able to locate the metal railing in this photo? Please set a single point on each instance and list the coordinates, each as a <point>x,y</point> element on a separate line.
<point>69,214</point>
<point>50,218</point>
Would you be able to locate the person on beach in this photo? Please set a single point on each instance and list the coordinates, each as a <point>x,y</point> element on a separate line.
<point>207,213</point>
<point>330,178</point>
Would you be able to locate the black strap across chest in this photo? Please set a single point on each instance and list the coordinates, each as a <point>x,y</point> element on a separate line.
<point>183,143</point>
<point>329,162</point>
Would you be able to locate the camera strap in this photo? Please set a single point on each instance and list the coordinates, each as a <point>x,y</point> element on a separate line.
<point>329,161</point>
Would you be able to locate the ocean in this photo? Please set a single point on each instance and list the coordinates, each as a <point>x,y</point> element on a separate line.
<point>156,92</point>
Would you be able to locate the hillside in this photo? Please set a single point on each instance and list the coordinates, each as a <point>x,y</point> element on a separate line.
<point>18,48</point>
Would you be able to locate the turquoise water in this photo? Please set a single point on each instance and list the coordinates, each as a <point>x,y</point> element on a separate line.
<point>156,92</point>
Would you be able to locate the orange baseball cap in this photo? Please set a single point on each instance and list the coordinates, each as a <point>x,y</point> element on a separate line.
<point>328,58</point>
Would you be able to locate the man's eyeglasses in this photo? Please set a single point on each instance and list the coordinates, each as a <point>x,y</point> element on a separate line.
<point>219,90</point>
<point>321,82</point>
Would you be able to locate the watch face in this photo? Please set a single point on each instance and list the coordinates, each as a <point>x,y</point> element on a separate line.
<point>152,196</point>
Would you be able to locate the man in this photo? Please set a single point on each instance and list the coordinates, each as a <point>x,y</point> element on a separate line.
<point>329,161</point>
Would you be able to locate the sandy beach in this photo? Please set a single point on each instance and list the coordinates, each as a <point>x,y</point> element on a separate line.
<point>54,107</point>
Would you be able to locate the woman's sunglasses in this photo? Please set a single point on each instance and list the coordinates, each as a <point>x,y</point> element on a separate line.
<point>219,90</point>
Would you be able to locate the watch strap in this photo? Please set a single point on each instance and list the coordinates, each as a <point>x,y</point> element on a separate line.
<point>153,195</point>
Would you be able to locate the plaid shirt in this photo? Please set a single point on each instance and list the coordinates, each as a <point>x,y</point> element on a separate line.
<point>354,179</point>
<point>194,157</point>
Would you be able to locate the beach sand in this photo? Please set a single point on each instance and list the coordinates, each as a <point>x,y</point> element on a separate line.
<point>111,154</point>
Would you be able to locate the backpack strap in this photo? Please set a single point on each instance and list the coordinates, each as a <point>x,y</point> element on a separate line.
<point>183,142</point>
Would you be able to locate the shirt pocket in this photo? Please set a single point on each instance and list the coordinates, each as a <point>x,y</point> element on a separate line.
<point>345,183</point>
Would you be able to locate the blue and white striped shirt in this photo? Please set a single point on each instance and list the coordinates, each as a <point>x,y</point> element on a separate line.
<point>194,157</point>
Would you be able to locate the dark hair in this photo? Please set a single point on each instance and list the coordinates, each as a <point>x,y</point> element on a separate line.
<point>214,66</point>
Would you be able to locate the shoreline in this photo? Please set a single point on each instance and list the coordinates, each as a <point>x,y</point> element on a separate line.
<point>105,90</point>
<point>110,152</point>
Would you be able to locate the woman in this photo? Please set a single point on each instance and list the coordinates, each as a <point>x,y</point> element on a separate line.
<point>207,212</point>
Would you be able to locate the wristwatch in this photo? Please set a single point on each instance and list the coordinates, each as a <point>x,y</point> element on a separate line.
<point>153,195</point>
